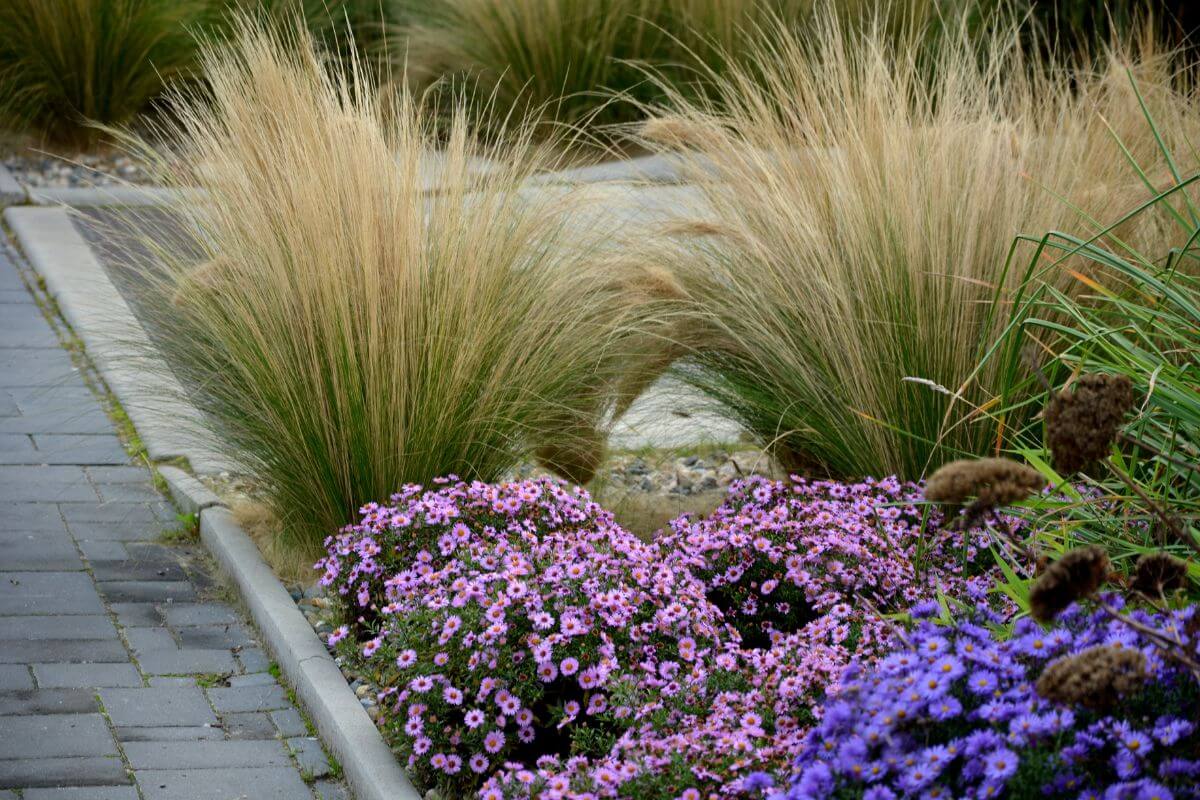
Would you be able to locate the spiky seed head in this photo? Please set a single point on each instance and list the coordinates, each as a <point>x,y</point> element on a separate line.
<point>674,131</point>
<point>1094,678</point>
<point>1076,575</point>
<point>1082,422</point>
<point>1156,574</point>
<point>991,482</point>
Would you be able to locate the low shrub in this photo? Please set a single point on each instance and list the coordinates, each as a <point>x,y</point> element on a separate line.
<point>519,640</point>
<point>779,555</point>
<point>963,711</point>
<point>695,675</point>
<point>365,314</point>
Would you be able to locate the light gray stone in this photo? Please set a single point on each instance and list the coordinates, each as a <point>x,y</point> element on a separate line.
<point>289,722</point>
<point>170,734</point>
<point>182,615</point>
<point>251,725</point>
<point>79,448</point>
<point>48,701</point>
<point>66,771</point>
<point>137,615</point>
<point>248,698</point>
<point>15,677</point>
<point>309,756</point>
<point>68,627</point>
<point>51,676</point>
<point>81,651</point>
<point>26,593</point>
<point>246,783</point>
<point>42,736</point>
<point>187,662</point>
<point>253,679</point>
<point>157,707</point>
<point>83,793</point>
<point>147,591</point>
<point>50,551</point>
<point>205,754</point>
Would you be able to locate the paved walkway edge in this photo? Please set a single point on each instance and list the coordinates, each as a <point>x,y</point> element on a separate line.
<point>115,340</point>
<point>74,277</point>
<point>369,764</point>
<point>11,191</point>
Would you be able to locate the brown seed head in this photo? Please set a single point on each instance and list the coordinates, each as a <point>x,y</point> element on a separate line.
<point>1094,678</point>
<point>675,132</point>
<point>1081,424</point>
<point>1076,575</point>
<point>992,482</point>
<point>1158,573</point>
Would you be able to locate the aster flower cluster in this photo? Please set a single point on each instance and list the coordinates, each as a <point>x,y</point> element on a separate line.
<point>961,712</point>
<point>531,646</point>
<point>520,632</point>
<point>780,556</point>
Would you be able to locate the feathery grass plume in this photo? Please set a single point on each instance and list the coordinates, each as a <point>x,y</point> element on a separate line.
<point>869,189</point>
<point>349,331</point>
<point>1078,574</point>
<point>1095,678</point>
<point>1157,574</point>
<point>65,62</point>
<point>1082,421</point>
<point>989,482</point>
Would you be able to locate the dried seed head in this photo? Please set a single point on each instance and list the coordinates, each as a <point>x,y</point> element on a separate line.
<point>1094,678</point>
<point>1076,575</point>
<point>1081,424</point>
<point>992,482</point>
<point>1158,573</point>
<point>675,131</point>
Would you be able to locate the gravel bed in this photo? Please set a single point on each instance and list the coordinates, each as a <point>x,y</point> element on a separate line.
<point>74,171</point>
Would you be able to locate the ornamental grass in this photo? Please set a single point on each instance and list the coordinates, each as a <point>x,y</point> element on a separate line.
<point>346,331</point>
<point>863,194</point>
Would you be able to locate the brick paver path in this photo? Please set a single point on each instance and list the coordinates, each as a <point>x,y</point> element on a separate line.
<point>120,677</point>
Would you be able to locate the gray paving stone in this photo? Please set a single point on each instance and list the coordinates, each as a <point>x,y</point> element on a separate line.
<point>253,659</point>
<point>23,593</point>
<point>44,736</point>
<point>170,734</point>
<point>249,725</point>
<point>15,677</point>
<point>102,551</point>
<point>225,637</point>
<point>68,627</point>
<point>134,569</point>
<point>50,676</point>
<point>248,698</point>
<point>289,722</point>
<point>97,651</point>
<point>155,707</point>
<point>309,756</point>
<point>181,615</point>
<point>330,790</point>
<point>45,484</point>
<point>48,701</point>
<point>30,516</point>
<point>83,793</point>
<point>171,681</point>
<point>116,531</point>
<point>17,448</point>
<point>204,754</point>
<point>146,591</point>
<point>15,297</point>
<point>35,367</point>
<point>126,493</point>
<point>117,513</point>
<point>253,679</point>
<point>52,551</point>
<point>137,615</point>
<point>258,783</point>
<point>188,662</point>
<point>69,771</point>
<point>122,474</point>
<point>149,640</point>
<point>79,448</point>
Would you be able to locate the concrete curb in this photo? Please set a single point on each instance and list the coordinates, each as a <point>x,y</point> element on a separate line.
<point>370,766</point>
<point>189,494</point>
<point>169,426</point>
<point>12,193</point>
<point>97,313</point>
<point>111,196</point>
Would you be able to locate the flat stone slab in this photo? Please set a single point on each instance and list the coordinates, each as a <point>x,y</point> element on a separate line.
<point>57,772</point>
<point>42,736</point>
<point>69,628</point>
<point>24,593</point>
<point>49,701</point>
<point>83,651</point>
<point>206,754</point>
<point>83,793</point>
<point>89,676</point>
<point>254,783</point>
<point>248,698</point>
<point>132,708</point>
<point>15,677</point>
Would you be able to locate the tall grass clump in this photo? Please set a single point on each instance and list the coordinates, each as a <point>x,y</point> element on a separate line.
<point>347,331</point>
<point>586,62</point>
<point>63,62</point>
<point>863,195</point>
